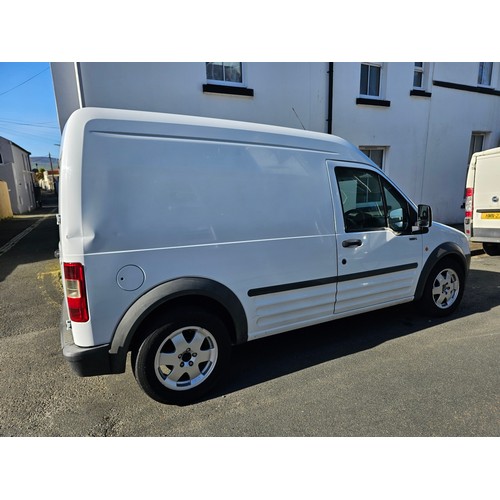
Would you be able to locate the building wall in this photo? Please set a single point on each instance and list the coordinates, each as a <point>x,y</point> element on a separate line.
<point>455,115</point>
<point>401,127</point>
<point>427,137</point>
<point>16,171</point>
<point>284,93</point>
<point>22,172</point>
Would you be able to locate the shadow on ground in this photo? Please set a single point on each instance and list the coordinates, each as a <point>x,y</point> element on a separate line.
<point>37,245</point>
<point>269,358</point>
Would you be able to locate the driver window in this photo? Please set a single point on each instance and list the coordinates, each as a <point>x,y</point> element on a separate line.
<point>369,202</point>
<point>362,199</point>
<point>397,209</point>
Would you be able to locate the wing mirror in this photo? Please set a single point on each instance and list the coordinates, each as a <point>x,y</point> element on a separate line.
<point>424,219</point>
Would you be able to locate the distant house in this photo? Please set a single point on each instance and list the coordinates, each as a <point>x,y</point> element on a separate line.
<point>50,180</point>
<point>419,121</point>
<point>15,170</point>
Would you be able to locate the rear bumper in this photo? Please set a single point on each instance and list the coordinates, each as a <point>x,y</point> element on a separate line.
<point>489,235</point>
<point>85,361</point>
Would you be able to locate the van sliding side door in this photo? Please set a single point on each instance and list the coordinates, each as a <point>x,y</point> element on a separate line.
<point>379,258</point>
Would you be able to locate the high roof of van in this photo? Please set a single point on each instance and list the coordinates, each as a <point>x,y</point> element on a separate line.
<point>173,125</point>
<point>488,152</point>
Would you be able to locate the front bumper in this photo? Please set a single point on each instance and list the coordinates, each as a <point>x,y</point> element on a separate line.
<point>85,361</point>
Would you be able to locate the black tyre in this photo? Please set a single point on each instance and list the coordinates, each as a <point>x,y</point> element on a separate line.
<point>492,248</point>
<point>444,289</point>
<point>183,356</point>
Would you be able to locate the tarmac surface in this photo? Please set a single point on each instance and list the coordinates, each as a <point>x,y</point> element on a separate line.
<point>12,228</point>
<point>390,373</point>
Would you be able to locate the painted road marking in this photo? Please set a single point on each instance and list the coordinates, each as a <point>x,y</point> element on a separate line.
<point>14,241</point>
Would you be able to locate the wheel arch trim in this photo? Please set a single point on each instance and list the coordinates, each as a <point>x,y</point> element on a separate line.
<point>148,303</point>
<point>439,253</point>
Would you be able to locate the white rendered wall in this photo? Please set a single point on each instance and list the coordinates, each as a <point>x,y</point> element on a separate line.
<point>401,127</point>
<point>454,116</point>
<point>428,138</point>
<point>279,89</point>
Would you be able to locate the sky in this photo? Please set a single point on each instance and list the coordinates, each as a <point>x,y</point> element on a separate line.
<point>28,115</point>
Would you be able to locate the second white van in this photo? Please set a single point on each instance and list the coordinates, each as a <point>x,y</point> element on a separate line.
<point>482,203</point>
<point>181,237</point>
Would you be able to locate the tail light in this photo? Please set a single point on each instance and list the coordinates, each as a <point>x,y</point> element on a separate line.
<point>74,283</point>
<point>469,204</point>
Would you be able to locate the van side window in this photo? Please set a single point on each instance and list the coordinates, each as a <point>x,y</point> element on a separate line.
<point>397,209</point>
<point>369,202</point>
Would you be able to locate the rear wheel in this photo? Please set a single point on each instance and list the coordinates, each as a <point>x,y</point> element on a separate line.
<point>492,248</point>
<point>444,289</point>
<point>183,356</point>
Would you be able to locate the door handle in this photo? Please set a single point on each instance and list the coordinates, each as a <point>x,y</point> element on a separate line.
<point>351,243</point>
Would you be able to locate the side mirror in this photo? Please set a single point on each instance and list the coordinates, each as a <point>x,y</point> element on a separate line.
<point>424,216</point>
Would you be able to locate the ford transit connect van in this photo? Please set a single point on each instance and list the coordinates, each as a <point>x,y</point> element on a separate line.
<point>482,203</point>
<point>181,237</point>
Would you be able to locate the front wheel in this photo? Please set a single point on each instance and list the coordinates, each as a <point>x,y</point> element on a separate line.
<point>182,356</point>
<point>444,289</point>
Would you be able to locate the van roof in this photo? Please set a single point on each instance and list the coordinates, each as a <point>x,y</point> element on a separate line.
<point>487,152</point>
<point>175,125</point>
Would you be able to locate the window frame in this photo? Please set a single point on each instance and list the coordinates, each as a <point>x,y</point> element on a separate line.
<point>473,147</point>
<point>419,70</point>
<point>424,72</point>
<point>211,81</point>
<point>481,73</point>
<point>370,65</point>
<point>368,149</point>
<point>383,185</point>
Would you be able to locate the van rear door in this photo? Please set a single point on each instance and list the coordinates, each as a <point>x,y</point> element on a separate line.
<point>379,258</point>
<point>486,196</point>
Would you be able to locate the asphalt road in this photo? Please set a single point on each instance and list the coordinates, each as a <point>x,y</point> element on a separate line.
<point>389,373</point>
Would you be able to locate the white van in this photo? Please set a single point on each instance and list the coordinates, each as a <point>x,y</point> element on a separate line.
<point>482,202</point>
<point>183,236</point>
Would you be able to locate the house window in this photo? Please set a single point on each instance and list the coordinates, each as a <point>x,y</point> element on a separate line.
<point>484,76</point>
<point>476,143</point>
<point>370,80</point>
<point>418,75</point>
<point>229,73</point>
<point>421,71</point>
<point>1,159</point>
<point>226,78</point>
<point>376,154</point>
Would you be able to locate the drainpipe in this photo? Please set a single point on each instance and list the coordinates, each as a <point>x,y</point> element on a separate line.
<point>330,98</point>
<point>79,84</point>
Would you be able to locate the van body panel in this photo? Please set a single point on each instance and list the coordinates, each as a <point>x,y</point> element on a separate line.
<point>192,200</point>
<point>253,219</point>
<point>196,220</point>
<point>390,273</point>
<point>271,262</point>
